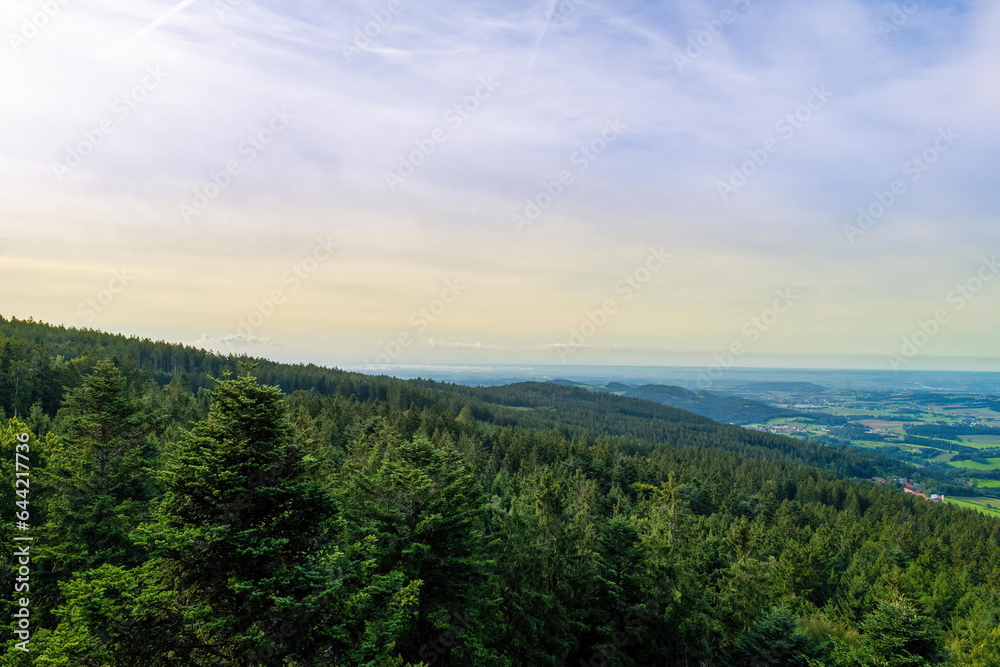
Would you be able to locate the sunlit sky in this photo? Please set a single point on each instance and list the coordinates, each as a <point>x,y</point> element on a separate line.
<point>584,182</point>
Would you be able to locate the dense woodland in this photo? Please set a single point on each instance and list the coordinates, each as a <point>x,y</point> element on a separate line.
<point>194,509</point>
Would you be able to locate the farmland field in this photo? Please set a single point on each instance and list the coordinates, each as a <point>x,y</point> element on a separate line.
<point>994,464</point>
<point>980,441</point>
<point>977,503</point>
<point>882,424</point>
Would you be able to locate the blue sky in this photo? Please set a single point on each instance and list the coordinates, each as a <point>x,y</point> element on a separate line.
<point>267,177</point>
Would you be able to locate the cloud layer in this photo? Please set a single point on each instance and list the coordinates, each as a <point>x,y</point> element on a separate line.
<point>209,147</point>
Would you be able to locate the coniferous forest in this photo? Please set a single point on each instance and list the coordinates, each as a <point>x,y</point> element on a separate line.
<point>193,509</point>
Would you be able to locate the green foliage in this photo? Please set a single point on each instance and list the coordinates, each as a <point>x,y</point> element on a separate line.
<point>775,639</point>
<point>99,480</point>
<point>896,634</point>
<point>423,507</point>
<point>242,525</point>
<point>344,519</point>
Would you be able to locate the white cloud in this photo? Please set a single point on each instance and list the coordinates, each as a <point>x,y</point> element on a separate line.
<point>605,59</point>
<point>227,341</point>
<point>440,344</point>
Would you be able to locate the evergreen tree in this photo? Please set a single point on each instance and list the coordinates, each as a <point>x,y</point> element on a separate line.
<point>421,505</point>
<point>242,528</point>
<point>775,640</point>
<point>896,634</point>
<point>99,476</point>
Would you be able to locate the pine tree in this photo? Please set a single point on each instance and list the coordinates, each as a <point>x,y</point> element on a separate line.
<point>896,634</point>
<point>421,506</point>
<point>100,473</point>
<point>242,527</point>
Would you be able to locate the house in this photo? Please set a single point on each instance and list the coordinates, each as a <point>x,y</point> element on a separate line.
<point>909,488</point>
<point>880,480</point>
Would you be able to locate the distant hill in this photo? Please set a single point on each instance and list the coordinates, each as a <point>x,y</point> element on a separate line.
<point>611,387</point>
<point>727,409</point>
<point>569,383</point>
<point>617,387</point>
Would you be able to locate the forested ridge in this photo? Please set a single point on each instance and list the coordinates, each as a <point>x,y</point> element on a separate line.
<point>195,509</point>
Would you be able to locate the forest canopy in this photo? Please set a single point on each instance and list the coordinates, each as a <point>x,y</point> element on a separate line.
<point>189,508</point>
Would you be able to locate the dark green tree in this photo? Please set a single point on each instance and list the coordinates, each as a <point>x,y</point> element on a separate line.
<point>242,528</point>
<point>422,506</point>
<point>99,476</point>
<point>775,640</point>
<point>897,634</point>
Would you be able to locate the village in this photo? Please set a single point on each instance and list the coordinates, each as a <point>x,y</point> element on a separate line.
<point>909,488</point>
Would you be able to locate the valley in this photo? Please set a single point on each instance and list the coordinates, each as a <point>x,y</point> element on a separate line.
<point>951,438</point>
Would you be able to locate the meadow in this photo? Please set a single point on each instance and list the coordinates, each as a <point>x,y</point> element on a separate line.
<point>988,506</point>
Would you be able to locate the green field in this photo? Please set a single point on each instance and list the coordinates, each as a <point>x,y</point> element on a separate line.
<point>977,503</point>
<point>841,411</point>
<point>980,441</point>
<point>994,464</point>
<point>870,444</point>
<point>987,483</point>
<point>846,404</point>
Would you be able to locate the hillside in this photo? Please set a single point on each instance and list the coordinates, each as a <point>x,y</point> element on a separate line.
<point>570,407</point>
<point>297,515</point>
<point>728,409</point>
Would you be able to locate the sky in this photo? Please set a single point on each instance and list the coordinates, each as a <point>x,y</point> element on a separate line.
<point>389,182</point>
